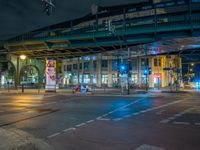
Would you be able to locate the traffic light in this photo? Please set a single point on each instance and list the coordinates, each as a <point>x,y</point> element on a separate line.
<point>123,68</point>
<point>150,71</point>
<point>146,71</point>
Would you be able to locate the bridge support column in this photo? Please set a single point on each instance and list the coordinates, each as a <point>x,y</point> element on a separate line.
<point>99,71</point>
<point>109,71</point>
<point>50,75</point>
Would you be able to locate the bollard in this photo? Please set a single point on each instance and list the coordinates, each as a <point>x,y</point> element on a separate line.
<point>22,88</point>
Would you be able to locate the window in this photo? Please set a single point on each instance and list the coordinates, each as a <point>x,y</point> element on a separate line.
<point>144,62</point>
<point>69,67</point>
<point>80,66</point>
<point>114,64</point>
<point>95,65</point>
<point>65,67</point>
<point>134,64</point>
<point>86,65</point>
<point>75,66</point>
<point>104,63</point>
<point>157,62</point>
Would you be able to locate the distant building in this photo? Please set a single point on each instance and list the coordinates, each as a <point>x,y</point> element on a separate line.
<point>101,70</point>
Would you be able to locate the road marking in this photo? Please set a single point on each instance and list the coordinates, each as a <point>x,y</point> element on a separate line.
<point>104,119</point>
<point>181,123</point>
<point>176,115</point>
<point>148,147</point>
<point>171,118</point>
<point>53,135</point>
<point>127,116</point>
<point>197,124</point>
<point>160,112</point>
<point>135,113</point>
<point>143,111</point>
<point>90,121</point>
<point>98,118</point>
<point>165,121</point>
<point>104,115</point>
<point>79,125</point>
<point>69,129</point>
<point>117,119</point>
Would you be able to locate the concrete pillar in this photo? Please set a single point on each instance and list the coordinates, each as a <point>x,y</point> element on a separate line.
<point>78,70</point>
<point>139,70</point>
<point>99,70</point>
<point>17,73</point>
<point>50,75</point>
<point>91,71</point>
<point>110,71</point>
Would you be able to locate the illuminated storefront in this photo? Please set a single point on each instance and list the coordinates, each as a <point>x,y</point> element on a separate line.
<point>101,70</point>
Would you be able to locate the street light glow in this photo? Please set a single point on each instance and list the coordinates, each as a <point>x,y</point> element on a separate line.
<point>23,57</point>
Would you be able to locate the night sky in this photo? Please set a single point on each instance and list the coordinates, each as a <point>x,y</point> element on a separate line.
<point>20,16</point>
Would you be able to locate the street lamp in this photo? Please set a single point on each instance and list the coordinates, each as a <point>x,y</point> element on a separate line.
<point>22,57</point>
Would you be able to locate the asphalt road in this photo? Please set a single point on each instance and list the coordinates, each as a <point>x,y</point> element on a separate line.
<point>155,121</point>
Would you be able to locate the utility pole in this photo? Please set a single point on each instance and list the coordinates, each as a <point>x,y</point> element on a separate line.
<point>128,71</point>
<point>146,68</point>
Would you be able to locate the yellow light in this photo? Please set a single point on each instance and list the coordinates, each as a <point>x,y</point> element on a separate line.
<point>22,57</point>
<point>192,64</point>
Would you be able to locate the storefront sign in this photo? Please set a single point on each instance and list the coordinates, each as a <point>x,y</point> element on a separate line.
<point>50,75</point>
<point>157,75</point>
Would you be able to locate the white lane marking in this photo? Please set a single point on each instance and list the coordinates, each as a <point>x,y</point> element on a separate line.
<point>197,124</point>
<point>104,115</point>
<point>69,129</point>
<point>98,118</point>
<point>171,118</point>
<point>165,121</point>
<point>176,115</point>
<point>53,135</point>
<point>149,147</point>
<point>181,123</point>
<point>117,119</point>
<point>127,116</point>
<point>143,111</point>
<point>90,121</point>
<point>79,125</point>
<point>135,113</point>
<point>104,119</point>
<point>160,112</point>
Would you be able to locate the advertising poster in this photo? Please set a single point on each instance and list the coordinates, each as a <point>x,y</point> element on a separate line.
<point>50,75</point>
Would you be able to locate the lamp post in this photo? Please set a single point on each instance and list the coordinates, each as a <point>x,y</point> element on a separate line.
<point>21,57</point>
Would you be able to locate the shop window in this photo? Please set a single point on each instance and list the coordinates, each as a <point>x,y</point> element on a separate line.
<point>75,66</point>
<point>86,66</point>
<point>134,64</point>
<point>157,62</point>
<point>104,63</point>
<point>69,67</point>
<point>80,66</point>
<point>95,65</point>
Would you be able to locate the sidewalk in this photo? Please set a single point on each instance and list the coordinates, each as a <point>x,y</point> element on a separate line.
<point>96,91</point>
<point>14,139</point>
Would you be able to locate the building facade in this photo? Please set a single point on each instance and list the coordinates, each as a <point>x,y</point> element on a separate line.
<point>104,70</point>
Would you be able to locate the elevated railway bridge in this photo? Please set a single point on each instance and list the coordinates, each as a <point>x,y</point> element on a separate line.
<point>147,28</point>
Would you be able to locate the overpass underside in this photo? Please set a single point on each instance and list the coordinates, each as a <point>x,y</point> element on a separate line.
<point>162,30</point>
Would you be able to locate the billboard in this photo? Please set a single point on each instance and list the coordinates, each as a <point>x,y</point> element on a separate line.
<point>50,75</point>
